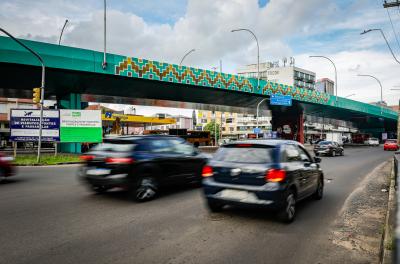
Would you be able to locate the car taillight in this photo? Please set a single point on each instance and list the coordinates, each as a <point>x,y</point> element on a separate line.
<point>86,157</point>
<point>119,160</point>
<point>243,145</point>
<point>207,171</point>
<point>275,175</point>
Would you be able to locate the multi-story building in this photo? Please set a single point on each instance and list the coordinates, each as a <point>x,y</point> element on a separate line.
<point>182,122</point>
<point>6,104</point>
<point>289,75</point>
<point>234,125</point>
<point>325,85</point>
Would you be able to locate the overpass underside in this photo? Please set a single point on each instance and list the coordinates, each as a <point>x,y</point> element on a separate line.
<point>73,88</point>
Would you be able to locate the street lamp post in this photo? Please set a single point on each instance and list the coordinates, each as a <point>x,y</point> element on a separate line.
<point>62,31</point>
<point>258,52</point>
<point>334,66</point>
<point>384,37</point>
<point>41,87</point>
<point>258,107</point>
<point>186,54</point>
<point>380,84</point>
<point>104,65</point>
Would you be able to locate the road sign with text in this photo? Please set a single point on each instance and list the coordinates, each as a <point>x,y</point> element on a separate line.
<point>285,100</point>
<point>24,125</point>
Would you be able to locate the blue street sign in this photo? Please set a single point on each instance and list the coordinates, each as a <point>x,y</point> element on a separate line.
<point>285,100</point>
<point>257,130</point>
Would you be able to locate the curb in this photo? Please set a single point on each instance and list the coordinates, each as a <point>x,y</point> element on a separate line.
<point>49,165</point>
<point>386,255</point>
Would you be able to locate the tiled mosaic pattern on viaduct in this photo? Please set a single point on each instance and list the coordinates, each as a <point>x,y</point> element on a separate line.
<point>153,70</point>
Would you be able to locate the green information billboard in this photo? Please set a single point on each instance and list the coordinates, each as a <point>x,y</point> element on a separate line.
<point>78,126</point>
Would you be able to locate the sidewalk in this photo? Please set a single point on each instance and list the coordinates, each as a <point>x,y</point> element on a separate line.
<point>360,225</point>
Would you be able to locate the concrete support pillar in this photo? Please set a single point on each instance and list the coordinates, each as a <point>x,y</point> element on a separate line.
<point>70,101</point>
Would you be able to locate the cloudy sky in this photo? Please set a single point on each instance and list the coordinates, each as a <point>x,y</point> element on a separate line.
<point>164,30</point>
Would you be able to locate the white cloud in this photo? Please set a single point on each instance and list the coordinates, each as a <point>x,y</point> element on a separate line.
<point>349,64</point>
<point>206,26</point>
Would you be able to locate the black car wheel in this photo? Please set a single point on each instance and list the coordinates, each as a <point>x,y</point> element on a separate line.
<point>146,189</point>
<point>214,206</point>
<point>319,193</point>
<point>288,212</point>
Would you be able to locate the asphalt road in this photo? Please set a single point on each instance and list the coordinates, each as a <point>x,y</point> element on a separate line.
<point>47,216</point>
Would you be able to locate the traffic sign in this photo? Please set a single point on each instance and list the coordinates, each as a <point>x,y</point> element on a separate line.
<point>285,100</point>
<point>257,130</point>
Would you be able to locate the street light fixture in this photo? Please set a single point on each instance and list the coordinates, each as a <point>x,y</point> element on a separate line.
<point>258,52</point>
<point>186,54</point>
<point>62,31</point>
<point>380,84</point>
<point>384,37</point>
<point>334,66</point>
<point>41,86</point>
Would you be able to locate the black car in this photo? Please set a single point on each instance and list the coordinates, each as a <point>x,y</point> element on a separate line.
<point>141,164</point>
<point>329,148</point>
<point>274,174</point>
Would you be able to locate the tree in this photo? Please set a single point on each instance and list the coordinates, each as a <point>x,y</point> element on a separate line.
<point>211,127</point>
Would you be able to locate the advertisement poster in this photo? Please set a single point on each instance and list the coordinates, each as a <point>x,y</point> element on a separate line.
<point>81,126</point>
<point>24,125</point>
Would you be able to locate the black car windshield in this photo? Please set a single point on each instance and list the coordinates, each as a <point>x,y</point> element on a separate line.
<point>391,141</point>
<point>115,146</point>
<point>325,143</point>
<point>248,154</point>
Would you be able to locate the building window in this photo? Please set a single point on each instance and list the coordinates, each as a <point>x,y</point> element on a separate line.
<point>3,108</point>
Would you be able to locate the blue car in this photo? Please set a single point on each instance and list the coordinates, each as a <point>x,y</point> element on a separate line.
<point>273,174</point>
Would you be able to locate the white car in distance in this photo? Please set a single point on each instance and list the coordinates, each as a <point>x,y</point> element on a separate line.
<point>372,142</point>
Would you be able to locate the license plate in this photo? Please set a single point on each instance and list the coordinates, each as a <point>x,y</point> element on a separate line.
<point>234,194</point>
<point>98,172</point>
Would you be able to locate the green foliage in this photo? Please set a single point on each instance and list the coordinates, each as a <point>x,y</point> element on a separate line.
<point>46,159</point>
<point>211,127</point>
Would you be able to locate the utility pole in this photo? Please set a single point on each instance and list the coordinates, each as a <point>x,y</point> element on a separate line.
<point>388,4</point>
<point>41,101</point>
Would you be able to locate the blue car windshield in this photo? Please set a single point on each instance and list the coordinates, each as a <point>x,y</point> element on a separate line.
<point>245,154</point>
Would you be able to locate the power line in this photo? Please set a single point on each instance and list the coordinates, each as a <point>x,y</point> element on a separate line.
<point>394,31</point>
